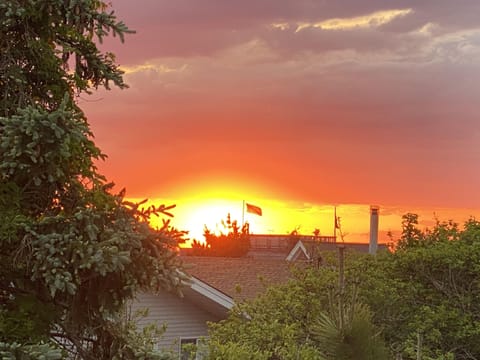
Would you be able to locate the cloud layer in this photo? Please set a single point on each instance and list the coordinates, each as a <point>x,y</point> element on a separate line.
<point>331,101</point>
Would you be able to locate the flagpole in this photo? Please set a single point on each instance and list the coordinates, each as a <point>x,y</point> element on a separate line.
<point>243,213</point>
<point>335,223</point>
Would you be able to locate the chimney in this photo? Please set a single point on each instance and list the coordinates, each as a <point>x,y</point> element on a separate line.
<point>372,248</point>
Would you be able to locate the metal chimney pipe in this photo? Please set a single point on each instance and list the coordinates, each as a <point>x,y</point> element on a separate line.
<point>372,248</point>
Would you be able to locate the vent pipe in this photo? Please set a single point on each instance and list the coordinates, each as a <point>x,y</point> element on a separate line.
<point>372,248</point>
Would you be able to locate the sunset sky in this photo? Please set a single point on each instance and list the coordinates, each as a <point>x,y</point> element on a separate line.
<point>296,106</point>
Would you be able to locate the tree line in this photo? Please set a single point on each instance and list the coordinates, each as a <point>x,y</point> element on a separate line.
<point>72,251</point>
<point>417,302</point>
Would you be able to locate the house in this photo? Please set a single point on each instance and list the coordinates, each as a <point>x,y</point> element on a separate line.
<point>216,284</point>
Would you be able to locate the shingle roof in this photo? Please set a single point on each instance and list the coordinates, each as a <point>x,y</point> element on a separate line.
<point>239,278</point>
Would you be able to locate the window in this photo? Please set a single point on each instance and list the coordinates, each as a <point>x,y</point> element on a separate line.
<point>192,348</point>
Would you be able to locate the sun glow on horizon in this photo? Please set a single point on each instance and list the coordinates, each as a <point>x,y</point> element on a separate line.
<point>207,204</point>
<point>193,214</point>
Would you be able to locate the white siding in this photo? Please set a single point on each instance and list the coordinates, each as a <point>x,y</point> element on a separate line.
<point>183,319</point>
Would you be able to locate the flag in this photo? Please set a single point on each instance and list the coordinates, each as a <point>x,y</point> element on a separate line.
<point>254,209</point>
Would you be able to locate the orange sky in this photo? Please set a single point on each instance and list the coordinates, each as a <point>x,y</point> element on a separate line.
<point>296,106</point>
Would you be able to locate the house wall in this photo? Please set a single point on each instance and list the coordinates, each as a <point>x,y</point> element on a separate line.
<point>183,319</point>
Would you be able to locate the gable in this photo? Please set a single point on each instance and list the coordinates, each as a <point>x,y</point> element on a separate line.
<point>299,252</point>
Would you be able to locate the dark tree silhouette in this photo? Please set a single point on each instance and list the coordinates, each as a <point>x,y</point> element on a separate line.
<point>234,241</point>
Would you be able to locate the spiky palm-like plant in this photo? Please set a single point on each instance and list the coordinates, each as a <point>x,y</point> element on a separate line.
<point>356,338</point>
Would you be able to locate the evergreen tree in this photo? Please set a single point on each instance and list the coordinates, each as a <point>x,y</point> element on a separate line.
<point>72,253</point>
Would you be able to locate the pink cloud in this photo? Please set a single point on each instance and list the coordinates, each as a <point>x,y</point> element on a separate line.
<point>387,114</point>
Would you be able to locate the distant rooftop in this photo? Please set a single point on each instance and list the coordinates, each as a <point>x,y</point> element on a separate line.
<point>278,246</point>
<point>239,278</point>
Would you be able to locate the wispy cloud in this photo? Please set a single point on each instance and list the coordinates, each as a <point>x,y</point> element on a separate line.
<point>375,19</point>
<point>156,68</point>
<point>281,26</point>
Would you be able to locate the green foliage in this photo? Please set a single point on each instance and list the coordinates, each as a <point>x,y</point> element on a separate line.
<point>356,339</point>
<point>278,324</point>
<point>299,320</point>
<point>40,351</point>
<point>26,319</point>
<point>48,155</point>
<point>428,286</point>
<point>411,234</point>
<point>48,50</point>
<point>234,351</point>
<point>427,289</point>
<point>233,242</point>
<point>132,343</point>
<point>72,252</point>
